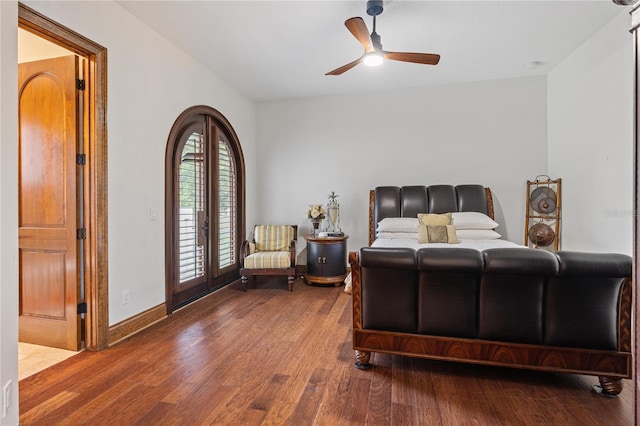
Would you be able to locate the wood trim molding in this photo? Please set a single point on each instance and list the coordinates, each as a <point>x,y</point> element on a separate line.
<point>136,323</point>
<point>96,244</point>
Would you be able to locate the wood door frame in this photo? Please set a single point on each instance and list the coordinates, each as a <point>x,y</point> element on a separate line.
<point>95,188</point>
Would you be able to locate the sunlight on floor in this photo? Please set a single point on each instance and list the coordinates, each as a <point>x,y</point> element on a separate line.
<point>34,358</point>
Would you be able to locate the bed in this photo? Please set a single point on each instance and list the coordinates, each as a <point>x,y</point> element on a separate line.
<point>400,207</point>
<point>486,301</point>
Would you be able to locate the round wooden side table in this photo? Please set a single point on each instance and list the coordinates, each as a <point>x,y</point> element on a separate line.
<point>326,260</point>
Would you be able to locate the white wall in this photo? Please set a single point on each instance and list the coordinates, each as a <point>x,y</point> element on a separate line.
<point>150,82</point>
<point>590,115</point>
<point>9,210</point>
<point>492,133</point>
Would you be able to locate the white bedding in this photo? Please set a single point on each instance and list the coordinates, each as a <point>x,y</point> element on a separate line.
<point>414,244</point>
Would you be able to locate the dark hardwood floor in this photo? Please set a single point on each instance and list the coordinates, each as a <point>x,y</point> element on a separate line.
<point>270,356</point>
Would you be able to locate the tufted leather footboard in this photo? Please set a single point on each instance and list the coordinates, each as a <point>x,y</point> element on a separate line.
<point>566,312</point>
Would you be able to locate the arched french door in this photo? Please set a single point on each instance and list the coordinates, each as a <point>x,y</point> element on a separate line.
<point>204,205</point>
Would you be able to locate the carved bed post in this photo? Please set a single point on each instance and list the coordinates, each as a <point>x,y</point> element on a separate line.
<point>362,360</point>
<point>609,386</point>
<point>372,226</point>
<point>612,386</point>
<point>362,357</point>
<point>490,211</point>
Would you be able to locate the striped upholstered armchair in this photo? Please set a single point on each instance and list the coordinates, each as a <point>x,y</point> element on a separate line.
<point>271,252</point>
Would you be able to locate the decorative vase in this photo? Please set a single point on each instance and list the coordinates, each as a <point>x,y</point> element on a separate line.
<point>333,212</point>
<point>316,224</point>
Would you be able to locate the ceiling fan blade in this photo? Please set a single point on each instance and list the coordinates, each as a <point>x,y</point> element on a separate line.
<point>344,68</point>
<point>418,58</point>
<point>359,30</point>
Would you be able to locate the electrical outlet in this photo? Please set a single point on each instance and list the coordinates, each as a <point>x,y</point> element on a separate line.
<point>126,297</point>
<point>6,398</point>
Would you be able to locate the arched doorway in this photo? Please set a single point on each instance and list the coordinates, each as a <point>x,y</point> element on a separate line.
<point>204,205</point>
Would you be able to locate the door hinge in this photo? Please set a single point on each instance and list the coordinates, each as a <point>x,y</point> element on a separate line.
<point>82,308</point>
<point>81,233</point>
<point>80,84</point>
<point>81,159</point>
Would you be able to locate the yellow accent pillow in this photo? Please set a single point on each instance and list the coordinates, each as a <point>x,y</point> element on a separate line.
<point>437,234</point>
<point>432,219</point>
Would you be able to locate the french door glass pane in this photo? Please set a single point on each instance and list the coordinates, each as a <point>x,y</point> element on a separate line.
<point>226,206</point>
<point>192,225</point>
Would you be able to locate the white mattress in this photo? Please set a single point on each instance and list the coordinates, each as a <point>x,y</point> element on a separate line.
<point>414,244</point>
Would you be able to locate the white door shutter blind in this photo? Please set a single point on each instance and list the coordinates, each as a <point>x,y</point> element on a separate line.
<point>227,205</point>
<point>192,227</point>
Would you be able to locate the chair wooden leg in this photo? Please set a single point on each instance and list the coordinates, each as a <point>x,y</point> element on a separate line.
<point>244,280</point>
<point>290,282</point>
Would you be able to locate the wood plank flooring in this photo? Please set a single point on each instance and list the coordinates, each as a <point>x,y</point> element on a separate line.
<point>271,357</point>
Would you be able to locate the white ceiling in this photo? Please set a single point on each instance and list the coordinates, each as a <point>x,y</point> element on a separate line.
<point>271,50</point>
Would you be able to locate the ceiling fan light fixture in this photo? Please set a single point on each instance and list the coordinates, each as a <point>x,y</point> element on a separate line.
<point>374,54</point>
<point>372,59</point>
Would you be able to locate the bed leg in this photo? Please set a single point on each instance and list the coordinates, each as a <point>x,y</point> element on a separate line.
<point>609,387</point>
<point>362,360</point>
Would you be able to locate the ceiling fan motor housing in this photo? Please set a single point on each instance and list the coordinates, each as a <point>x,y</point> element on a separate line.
<point>374,7</point>
<point>375,41</point>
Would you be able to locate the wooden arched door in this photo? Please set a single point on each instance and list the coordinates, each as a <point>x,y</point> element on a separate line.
<point>204,205</point>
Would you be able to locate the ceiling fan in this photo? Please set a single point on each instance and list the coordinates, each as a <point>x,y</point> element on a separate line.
<point>373,53</point>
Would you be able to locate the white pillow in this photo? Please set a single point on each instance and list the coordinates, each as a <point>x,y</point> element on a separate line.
<point>477,234</point>
<point>397,235</point>
<point>398,224</point>
<point>472,220</point>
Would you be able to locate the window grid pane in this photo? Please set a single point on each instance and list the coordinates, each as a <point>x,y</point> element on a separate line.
<point>191,240</point>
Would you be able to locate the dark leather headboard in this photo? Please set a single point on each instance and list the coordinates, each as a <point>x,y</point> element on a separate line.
<point>408,201</point>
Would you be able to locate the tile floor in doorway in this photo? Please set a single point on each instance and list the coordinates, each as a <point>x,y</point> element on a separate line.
<point>34,358</point>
